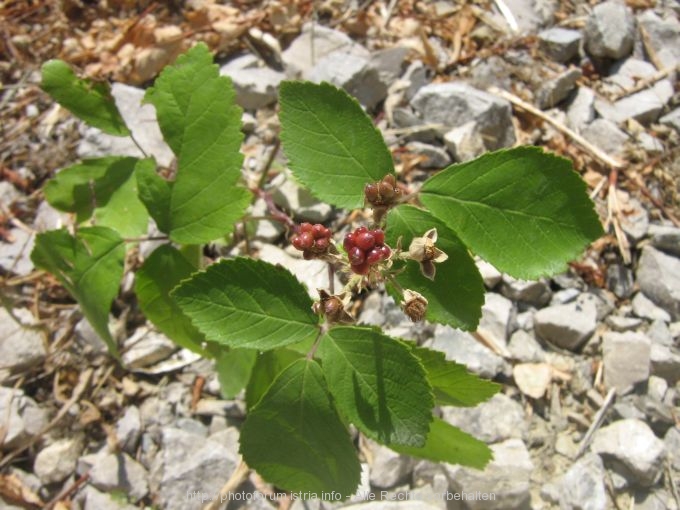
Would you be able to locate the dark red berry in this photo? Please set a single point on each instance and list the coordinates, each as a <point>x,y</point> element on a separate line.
<point>319,231</point>
<point>379,236</point>
<point>348,242</point>
<point>374,256</point>
<point>385,251</point>
<point>360,230</point>
<point>322,244</point>
<point>365,241</point>
<point>306,227</point>
<point>306,240</point>
<point>297,243</point>
<point>307,255</point>
<point>356,256</point>
<point>361,268</point>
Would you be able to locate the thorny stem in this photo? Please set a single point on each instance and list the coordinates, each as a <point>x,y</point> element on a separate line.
<point>315,345</point>
<point>276,213</point>
<point>145,238</point>
<point>134,140</point>
<point>331,279</point>
<point>268,164</point>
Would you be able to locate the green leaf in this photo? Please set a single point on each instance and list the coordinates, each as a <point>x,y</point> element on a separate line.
<point>294,437</point>
<point>378,385</point>
<point>161,272</point>
<point>456,295</point>
<point>156,194</point>
<point>202,125</point>
<point>331,144</point>
<point>453,385</point>
<point>525,211</point>
<point>86,99</point>
<point>234,367</point>
<point>115,203</point>
<point>248,303</point>
<point>89,266</point>
<point>268,366</point>
<point>446,443</point>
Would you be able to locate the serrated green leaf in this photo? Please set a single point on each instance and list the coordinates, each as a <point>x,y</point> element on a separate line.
<point>446,443</point>
<point>161,272</point>
<point>245,303</point>
<point>104,189</point>
<point>331,144</point>
<point>89,266</point>
<point>377,384</point>
<point>234,367</point>
<point>294,437</point>
<point>268,366</point>
<point>452,383</point>
<point>202,125</point>
<point>155,193</point>
<point>456,295</point>
<point>525,211</point>
<point>86,99</point>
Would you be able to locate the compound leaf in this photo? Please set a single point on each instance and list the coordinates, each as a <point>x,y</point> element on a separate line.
<point>165,268</point>
<point>294,438</point>
<point>104,189</point>
<point>202,125</point>
<point>248,303</point>
<point>525,211</point>
<point>89,266</point>
<point>446,443</point>
<point>331,144</point>
<point>456,295</point>
<point>378,385</point>
<point>234,368</point>
<point>453,385</point>
<point>86,99</point>
<point>268,365</point>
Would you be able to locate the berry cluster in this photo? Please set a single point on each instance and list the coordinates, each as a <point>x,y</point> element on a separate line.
<point>312,240</point>
<point>365,248</point>
<point>382,195</point>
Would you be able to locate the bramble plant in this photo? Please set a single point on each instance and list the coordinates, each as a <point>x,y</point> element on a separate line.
<point>308,372</point>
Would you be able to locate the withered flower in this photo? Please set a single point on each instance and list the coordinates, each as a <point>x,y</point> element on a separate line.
<point>423,250</point>
<point>414,305</point>
<point>333,307</point>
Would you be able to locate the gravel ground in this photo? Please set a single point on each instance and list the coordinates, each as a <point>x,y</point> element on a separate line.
<point>589,360</point>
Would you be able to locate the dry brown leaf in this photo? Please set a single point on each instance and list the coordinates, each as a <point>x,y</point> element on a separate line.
<point>15,492</point>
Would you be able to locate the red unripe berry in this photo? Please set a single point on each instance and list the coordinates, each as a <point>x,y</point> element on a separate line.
<point>365,241</point>
<point>385,251</point>
<point>356,256</point>
<point>297,243</point>
<point>374,256</point>
<point>360,230</point>
<point>322,244</point>
<point>348,243</point>
<point>363,268</point>
<point>306,227</point>
<point>306,240</point>
<point>379,236</point>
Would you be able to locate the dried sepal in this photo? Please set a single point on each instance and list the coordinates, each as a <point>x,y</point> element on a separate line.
<point>333,307</point>
<point>414,305</point>
<point>424,251</point>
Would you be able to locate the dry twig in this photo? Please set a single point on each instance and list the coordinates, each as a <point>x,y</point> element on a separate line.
<point>585,144</point>
<point>597,422</point>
